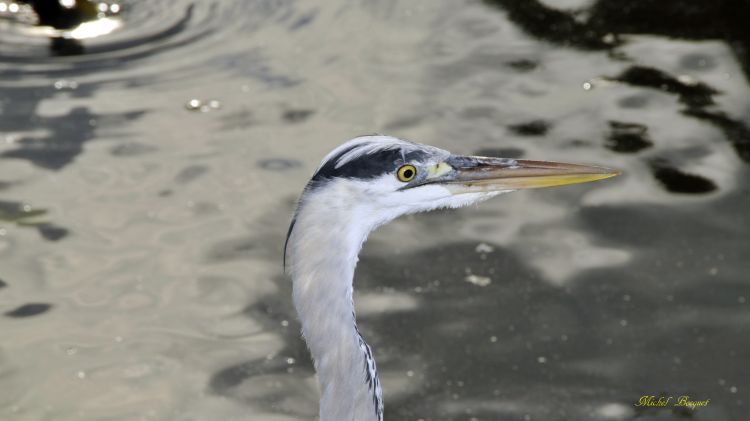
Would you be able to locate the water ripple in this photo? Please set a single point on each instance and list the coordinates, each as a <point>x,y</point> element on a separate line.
<point>189,34</point>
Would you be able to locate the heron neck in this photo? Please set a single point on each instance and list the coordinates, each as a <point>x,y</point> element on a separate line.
<point>322,250</point>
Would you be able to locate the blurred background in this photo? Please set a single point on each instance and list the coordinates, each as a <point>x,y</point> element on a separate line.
<point>151,153</point>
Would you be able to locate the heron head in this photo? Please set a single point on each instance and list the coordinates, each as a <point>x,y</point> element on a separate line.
<point>370,180</point>
<point>382,177</point>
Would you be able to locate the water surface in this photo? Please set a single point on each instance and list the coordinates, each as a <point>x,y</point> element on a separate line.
<point>147,178</point>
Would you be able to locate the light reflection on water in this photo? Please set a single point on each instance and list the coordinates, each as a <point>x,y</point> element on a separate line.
<point>140,241</point>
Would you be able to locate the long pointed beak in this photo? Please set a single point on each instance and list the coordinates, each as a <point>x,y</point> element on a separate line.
<point>481,174</point>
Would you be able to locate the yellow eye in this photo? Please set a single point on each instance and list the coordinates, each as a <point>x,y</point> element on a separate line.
<point>406,172</point>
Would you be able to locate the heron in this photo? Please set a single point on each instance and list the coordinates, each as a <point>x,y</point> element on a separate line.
<point>359,186</point>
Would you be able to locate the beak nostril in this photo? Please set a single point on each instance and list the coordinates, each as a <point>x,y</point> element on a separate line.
<point>457,161</point>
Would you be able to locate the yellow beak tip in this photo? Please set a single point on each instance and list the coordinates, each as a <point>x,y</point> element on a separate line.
<point>612,173</point>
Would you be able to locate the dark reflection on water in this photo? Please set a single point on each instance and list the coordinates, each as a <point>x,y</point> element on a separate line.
<point>18,212</point>
<point>530,128</point>
<point>28,310</point>
<point>69,133</point>
<point>677,181</point>
<point>297,116</point>
<point>696,96</point>
<point>628,137</point>
<point>590,27</point>
<point>278,164</point>
<point>132,149</point>
<point>52,232</point>
<point>23,215</point>
<point>693,94</point>
<point>190,173</point>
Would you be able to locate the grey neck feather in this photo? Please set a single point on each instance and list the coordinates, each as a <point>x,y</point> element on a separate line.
<point>323,248</point>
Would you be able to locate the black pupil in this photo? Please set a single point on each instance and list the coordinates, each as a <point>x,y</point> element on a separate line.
<point>408,173</point>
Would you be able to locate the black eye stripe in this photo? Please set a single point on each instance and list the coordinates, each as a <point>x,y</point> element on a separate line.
<point>367,166</point>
